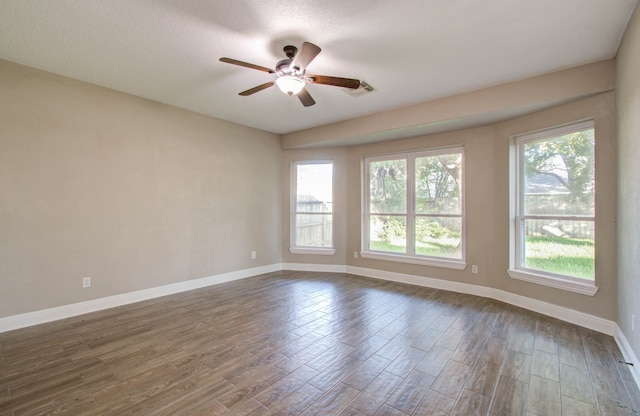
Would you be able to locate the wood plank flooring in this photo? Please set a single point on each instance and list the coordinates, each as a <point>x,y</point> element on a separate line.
<point>293,343</point>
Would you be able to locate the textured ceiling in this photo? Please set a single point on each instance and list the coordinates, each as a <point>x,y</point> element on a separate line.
<point>410,51</point>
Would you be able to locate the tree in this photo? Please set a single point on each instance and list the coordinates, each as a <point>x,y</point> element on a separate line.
<point>388,186</point>
<point>438,183</point>
<point>568,159</point>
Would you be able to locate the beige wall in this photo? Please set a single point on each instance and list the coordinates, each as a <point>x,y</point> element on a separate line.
<point>628,105</point>
<point>136,194</point>
<point>487,203</point>
<point>132,193</point>
<point>480,107</point>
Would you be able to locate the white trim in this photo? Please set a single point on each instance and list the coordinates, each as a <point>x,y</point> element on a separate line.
<point>518,216</point>
<point>569,315</point>
<point>293,216</point>
<point>628,354</point>
<point>424,261</point>
<point>422,281</point>
<point>312,250</point>
<point>10,323</point>
<point>589,289</point>
<point>560,312</point>
<point>572,316</point>
<point>410,215</point>
<point>306,267</point>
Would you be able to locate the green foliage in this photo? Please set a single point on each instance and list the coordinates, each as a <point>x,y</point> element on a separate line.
<point>393,228</point>
<point>431,229</point>
<point>569,159</point>
<point>438,184</point>
<point>388,186</point>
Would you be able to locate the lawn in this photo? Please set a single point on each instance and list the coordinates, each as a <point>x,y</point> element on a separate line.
<point>560,255</point>
<point>442,248</point>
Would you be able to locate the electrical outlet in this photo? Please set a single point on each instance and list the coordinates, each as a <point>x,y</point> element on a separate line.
<point>355,254</point>
<point>86,282</point>
<point>474,269</point>
<point>253,255</point>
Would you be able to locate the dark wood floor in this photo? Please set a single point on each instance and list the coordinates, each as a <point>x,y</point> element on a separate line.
<point>313,344</point>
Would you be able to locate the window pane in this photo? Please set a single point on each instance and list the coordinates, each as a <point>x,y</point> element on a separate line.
<point>437,184</point>
<point>388,233</point>
<point>439,236</point>
<point>314,230</point>
<point>560,246</point>
<point>314,187</point>
<point>558,175</point>
<point>388,187</point>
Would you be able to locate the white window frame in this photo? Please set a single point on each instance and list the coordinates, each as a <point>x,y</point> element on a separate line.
<point>516,267</point>
<point>410,256</point>
<point>294,248</point>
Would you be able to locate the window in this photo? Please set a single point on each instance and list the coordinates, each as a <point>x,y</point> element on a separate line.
<point>554,224</point>
<point>312,208</point>
<point>413,209</point>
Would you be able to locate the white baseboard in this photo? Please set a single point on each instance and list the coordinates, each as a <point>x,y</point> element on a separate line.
<point>47,315</point>
<point>572,316</point>
<point>304,267</point>
<point>628,354</point>
<point>421,281</point>
<point>67,311</point>
<point>565,314</point>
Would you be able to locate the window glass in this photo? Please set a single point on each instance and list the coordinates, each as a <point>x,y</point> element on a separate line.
<point>437,184</point>
<point>313,217</point>
<point>414,206</point>
<point>388,186</point>
<point>555,225</point>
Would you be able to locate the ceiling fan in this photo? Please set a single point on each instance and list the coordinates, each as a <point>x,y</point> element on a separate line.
<point>291,74</point>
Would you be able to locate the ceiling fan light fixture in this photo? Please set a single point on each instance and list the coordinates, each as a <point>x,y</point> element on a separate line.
<point>289,84</point>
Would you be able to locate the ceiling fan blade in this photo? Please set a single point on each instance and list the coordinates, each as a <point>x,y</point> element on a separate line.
<point>307,53</point>
<point>305,98</point>
<point>256,89</point>
<point>246,65</point>
<point>336,81</point>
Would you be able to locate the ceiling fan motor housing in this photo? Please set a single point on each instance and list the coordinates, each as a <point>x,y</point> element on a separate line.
<point>285,67</point>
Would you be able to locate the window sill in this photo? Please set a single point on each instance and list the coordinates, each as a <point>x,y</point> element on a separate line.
<point>448,264</point>
<point>310,250</point>
<point>558,283</point>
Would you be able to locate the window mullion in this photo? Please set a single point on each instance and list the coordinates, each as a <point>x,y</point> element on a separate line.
<point>411,205</point>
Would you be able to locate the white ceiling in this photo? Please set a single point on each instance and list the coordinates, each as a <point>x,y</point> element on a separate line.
<point>410,51</point>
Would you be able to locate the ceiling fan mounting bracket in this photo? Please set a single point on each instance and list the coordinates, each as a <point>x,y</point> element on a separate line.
<point>290,51</point>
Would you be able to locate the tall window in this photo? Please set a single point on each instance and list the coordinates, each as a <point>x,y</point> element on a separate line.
<point>414,208</point>
<point>312,208</point>
<point>555,207</point>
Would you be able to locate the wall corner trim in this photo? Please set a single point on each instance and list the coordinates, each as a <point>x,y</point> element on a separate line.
<point>628,354</point>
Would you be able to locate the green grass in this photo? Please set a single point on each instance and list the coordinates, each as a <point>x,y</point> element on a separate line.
<point>424,249</point>
<point>561,255</point>
<point>387,246</point>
